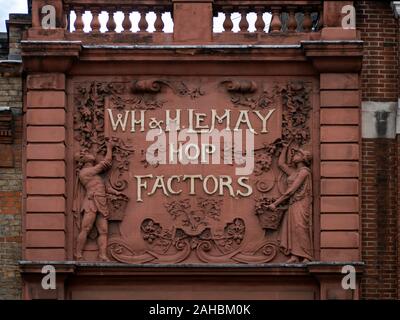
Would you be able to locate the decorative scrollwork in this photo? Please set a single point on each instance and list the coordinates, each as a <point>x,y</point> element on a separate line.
<point>175,245</point>
<point>150,86</point>
<point>242,94</point>
<point>155,235</point>
<point>232,236</point>
<point>121,158</point>
<point>265,253</point>
<point>121,251</point>
<point>154,86</point>
<point>240,86</point>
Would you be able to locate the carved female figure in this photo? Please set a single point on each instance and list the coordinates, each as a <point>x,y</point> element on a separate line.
<point>296,237</point>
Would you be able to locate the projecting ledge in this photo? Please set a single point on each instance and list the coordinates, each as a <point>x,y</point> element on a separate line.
<point>273,269</point>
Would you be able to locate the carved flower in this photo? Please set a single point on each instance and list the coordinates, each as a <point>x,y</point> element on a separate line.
<point>263,162</point>
<point>298,119</point>
<point>262,203</point>
<point>86,113</point>
<point>235,230</point>
<point>264,101</point>
<point>227,244</point>
<point>151,229</point>
<point>103,87</point>
<point>149,238</point>
<point>211,207</point>
<point>301,136</point>
<point>176,208</point>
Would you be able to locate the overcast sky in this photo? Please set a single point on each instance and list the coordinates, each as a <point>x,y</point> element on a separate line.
<point>11,6</point>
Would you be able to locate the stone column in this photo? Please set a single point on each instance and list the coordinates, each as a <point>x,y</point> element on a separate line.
<point>338,65</point>
<point>340,169</point>
<point>47,58</point>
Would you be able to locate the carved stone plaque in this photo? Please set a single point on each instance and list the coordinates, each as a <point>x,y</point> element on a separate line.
<point>193,170</point>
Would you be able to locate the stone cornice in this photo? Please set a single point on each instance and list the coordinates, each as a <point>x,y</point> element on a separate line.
<point>49,56</point>
<point>10,68</point>
<point>335,56</point>
<point>326,55</point>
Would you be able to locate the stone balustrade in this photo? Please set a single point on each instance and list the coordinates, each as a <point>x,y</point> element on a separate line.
<point>177,21</point>
<point>118,16</point>
<point>270,16</point>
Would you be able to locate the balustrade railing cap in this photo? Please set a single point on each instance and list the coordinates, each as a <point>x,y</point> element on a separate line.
<point>116,2</point>
<point>193,1</point>
<point>221,2</point>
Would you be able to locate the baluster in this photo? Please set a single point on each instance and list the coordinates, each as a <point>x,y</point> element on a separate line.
<point>243,24</point>
<point>158,24</point>
<point>126,23</point>
<point>78,25</point>
<point>95,23</point>
<point>143,25</point>
<point>292,23</point>
<point>111,25</point>
<point>259,25</point>
<point>228,24</point>
<point>307,22</point>
<point>276,23</point>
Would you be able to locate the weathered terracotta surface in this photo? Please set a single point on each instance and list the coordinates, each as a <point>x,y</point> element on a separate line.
<point>217,211</point>
<point>87,197</point>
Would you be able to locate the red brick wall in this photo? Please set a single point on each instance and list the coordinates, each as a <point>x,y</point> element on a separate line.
<point>398,219</point>
<point>380,32</point>
<point>11,93</point>
<point>379,218</point>
<point>11,196</point>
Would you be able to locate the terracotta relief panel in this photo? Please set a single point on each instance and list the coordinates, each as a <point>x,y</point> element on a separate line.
<point>193,170</point>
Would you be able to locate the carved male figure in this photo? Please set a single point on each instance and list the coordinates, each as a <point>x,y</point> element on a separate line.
<point>296,235</point>
<point>94,204</point>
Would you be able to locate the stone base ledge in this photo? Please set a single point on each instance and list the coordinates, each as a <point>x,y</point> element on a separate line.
<point>110,268</point>
<point>92,280</point>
